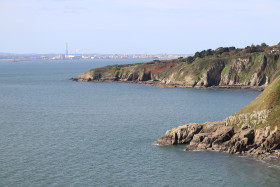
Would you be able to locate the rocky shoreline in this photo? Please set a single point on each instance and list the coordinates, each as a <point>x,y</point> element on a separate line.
<point>171,85</point>
<point>223,137</point>
<point>237,134</point>
<point>253,130</point>
<point>254,71</point>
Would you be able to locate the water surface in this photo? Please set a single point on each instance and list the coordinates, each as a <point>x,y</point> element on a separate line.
<point>56,132</point>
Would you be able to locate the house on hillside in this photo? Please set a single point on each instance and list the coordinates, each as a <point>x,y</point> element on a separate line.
<point>275,49</point>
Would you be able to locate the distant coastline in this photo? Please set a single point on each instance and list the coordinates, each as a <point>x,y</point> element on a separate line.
<point>254,130</point>
<point>29,57</point>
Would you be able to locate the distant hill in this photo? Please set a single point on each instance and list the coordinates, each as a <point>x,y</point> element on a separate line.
<point>253,66</point>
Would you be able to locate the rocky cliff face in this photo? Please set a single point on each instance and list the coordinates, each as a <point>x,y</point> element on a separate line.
<point>262,142</point>
<point>256,70</point>
<point>253,130</point>
<point>246,72</point>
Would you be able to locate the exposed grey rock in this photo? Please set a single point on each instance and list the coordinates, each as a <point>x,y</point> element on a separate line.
<point>213,76</point>
<point>248,119</point>
<point>217,136</point>
<point>181,135</point>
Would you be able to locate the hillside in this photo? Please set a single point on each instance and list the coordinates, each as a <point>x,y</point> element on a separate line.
<point>253,130</point>
<point>267,102</point>
<point>254,70</point>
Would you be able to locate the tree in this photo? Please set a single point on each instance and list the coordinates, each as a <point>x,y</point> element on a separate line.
<point>232,48</point>
<point>209,52</point>
<point>264,45</point>
<point>203,54</point>
<point>197,55</point>
<point>190,59</point>
<point>253,48</point>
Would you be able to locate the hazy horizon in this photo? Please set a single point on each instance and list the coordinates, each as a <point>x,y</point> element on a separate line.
<point>135,27</point>
<point>62,53</point>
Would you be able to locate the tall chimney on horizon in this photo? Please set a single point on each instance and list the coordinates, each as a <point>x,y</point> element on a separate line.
<point>66,51</point>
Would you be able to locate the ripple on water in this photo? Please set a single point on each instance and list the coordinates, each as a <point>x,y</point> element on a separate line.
<point>55,132</point>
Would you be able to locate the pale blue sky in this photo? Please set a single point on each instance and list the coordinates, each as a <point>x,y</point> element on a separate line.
<point>136,26</point>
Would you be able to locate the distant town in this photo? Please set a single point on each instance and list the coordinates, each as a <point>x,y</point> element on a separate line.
<point>25,57</point>
<point>67,56</point>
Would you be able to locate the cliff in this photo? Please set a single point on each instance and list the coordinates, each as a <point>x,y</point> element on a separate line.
<point>254,70</point>
<point>253,130</point>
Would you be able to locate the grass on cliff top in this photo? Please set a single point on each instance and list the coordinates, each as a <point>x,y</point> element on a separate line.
<point>268,100</point>
<point>196,69</point>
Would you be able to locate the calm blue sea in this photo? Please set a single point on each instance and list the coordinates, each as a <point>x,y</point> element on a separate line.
<point>55,132</point>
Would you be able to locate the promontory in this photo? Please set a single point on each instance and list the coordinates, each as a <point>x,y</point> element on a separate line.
<point>254,130</point>
<point>226,67</point>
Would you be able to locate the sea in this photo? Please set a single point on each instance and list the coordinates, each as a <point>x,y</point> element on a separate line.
<point>57,132</point>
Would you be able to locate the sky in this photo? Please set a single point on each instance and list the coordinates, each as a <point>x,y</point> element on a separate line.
<point>136,26</point>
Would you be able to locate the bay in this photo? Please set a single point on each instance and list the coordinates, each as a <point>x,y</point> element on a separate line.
<point>56,132</point>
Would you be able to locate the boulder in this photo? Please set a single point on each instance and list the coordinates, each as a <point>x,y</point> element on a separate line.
<point>181,135</point>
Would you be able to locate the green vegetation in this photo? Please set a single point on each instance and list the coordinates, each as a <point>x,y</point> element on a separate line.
<point>226,70</point>
<point>251,66</point>
<point>225,51</point>
<point>268,100</point>
<point>261,67</point>
<point>255,65</point>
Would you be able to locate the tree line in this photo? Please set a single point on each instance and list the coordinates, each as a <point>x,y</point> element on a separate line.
<point>223,51</point>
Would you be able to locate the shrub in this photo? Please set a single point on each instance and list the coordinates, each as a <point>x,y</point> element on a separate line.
<point>190,60</point>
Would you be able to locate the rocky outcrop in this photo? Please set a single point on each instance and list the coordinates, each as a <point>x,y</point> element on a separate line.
<point>244,133</point>
<point>261,143</point>
<point>181,135</point>
<point>246,72</point>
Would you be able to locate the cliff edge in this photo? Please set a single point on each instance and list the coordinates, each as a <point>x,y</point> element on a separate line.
<point>253,70</point>
<point>254,130</point>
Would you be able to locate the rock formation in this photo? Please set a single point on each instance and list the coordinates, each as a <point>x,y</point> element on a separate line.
<point>217,136</point>
<point>252,131</point>
<point>249,71</point>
